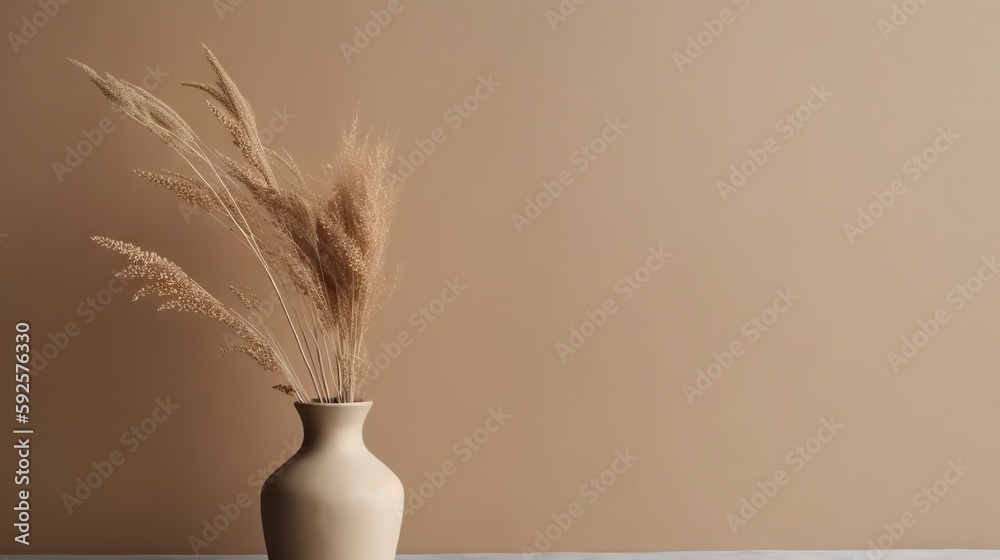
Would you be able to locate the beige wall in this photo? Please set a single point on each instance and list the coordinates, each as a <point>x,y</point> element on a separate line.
<point>825,356</point>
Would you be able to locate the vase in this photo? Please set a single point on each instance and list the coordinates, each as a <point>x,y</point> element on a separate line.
<point>333,500</point>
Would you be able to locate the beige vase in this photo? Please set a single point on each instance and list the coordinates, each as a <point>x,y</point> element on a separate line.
<point>333,500</point>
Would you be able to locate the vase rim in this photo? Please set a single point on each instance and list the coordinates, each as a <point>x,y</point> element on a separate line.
<point>333,405</point>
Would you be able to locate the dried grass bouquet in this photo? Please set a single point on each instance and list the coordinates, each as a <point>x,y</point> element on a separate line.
<point>323,253</point>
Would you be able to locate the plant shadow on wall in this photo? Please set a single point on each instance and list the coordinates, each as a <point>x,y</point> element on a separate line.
<point>324,257</point>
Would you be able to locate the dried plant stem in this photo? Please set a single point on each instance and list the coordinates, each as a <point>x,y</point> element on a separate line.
<point>252,241</point>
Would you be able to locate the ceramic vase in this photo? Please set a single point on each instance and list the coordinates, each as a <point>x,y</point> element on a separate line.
<point>333,500</point>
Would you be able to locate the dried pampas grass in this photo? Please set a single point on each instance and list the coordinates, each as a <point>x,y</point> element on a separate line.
<point>323,253</point>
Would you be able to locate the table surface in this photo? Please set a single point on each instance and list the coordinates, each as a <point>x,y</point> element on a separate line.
<point>723,555</point>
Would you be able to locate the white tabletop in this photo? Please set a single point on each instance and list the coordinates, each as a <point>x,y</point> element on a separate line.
<point>722,555</point>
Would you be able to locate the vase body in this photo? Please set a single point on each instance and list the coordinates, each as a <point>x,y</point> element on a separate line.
<point>333,500</point>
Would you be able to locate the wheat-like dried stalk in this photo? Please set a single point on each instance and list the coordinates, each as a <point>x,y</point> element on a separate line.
<point>323,253</point>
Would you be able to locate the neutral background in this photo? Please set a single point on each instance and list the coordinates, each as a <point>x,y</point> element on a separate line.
<point>494,347</point>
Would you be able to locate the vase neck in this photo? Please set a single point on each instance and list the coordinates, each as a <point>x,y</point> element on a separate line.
<point>333,425</point>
